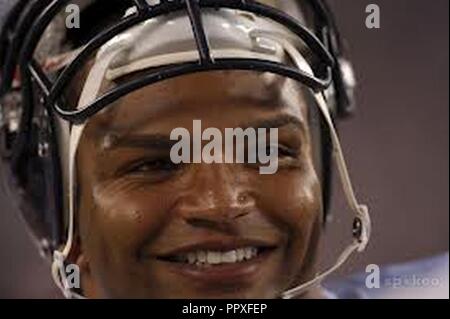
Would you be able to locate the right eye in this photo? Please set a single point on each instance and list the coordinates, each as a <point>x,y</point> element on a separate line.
<point>286,151</point>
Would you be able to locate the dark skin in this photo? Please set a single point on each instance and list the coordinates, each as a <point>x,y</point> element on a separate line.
<point>136,208</point>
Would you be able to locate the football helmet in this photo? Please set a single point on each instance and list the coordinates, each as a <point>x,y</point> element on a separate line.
<point>40,57</point>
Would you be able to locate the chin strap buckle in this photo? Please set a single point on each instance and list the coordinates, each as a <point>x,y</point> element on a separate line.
<point>362,227</point>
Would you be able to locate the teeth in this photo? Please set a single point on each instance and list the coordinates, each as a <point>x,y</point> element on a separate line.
<point>240,254</point>
<point>248,253</point>
<point>229,257</point>
<point>201,257</point>
<point>213,257</point>
<point>192,258</point>
<point>217,257</point>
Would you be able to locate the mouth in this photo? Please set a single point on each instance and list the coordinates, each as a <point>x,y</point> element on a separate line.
<point>208,258</point>
<point>219,263</point>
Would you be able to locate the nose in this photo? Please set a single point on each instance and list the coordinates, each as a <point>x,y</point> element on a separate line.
<point>215,196</point>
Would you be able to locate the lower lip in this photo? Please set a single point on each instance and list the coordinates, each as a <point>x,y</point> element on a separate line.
<point>233,273</point>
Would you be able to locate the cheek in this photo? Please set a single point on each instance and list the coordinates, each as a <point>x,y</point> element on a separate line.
<point>293,200</point>
<point>294,197</point>
<point>123,216</point>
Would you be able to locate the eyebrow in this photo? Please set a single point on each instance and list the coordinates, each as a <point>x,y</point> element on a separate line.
<point>163,142</point>
<point>156,141</point>
<point>277,122</point>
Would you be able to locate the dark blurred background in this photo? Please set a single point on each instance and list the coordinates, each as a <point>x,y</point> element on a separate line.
<point>396,145</point>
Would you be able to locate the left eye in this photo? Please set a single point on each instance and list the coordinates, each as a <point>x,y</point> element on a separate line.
<point>153,165</point>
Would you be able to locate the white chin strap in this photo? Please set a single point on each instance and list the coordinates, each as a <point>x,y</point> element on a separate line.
<point>91,90</point>
<point>361,212</point>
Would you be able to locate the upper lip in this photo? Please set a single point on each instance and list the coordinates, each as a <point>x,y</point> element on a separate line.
<point>221,245</point>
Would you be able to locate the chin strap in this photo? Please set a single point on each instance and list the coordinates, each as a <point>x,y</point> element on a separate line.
<point>362,222</point>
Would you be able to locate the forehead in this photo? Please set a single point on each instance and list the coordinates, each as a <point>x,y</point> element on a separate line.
<point>225,98</point>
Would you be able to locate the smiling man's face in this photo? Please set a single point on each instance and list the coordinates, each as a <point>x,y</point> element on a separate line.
<point>151,229</point>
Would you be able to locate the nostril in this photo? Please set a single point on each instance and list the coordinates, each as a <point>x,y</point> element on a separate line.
<point>201,222</point>
<point>221,219</point>
<point>241,215</point>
